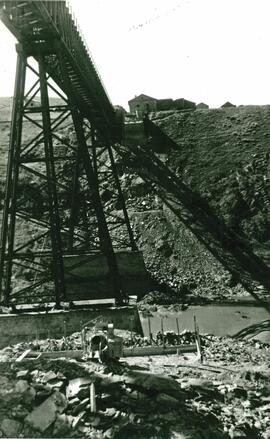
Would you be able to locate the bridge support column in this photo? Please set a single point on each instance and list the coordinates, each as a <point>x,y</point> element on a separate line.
<point>55,224</point>
<point>16,166</point>
<point>64,205</point>
<point>9,212</point>
<point>91,172</point>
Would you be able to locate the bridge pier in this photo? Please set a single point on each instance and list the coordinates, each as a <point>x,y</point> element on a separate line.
<point>53,204</point>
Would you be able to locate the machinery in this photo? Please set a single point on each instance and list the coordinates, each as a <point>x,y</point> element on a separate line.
<point>102,344</point>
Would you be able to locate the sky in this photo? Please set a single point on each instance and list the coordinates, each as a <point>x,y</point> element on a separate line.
<point>209,51</point>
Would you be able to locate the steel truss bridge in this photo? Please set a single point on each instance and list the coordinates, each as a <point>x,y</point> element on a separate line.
<point>60,188</point>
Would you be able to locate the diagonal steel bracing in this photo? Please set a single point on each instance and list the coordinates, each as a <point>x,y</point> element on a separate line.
<point>59,168</point>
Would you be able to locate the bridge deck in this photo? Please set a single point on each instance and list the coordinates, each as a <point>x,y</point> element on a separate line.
<point>38,24</point>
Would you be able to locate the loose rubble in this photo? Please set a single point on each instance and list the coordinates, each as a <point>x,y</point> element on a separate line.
<point>174,396</point>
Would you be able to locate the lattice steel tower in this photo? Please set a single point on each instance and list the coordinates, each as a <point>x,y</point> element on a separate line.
<point>62,185</point>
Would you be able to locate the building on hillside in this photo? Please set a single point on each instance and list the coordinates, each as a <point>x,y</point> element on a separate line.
<point>227,105</point>
<point>202,106</point>
<point>184,104</point>
<point>120,108</point>
<point>35,102</point>
<point>165,104</point>
<point>142,104</point>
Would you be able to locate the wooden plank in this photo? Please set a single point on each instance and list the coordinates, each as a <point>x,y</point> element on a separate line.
<point>158,350</point>
<point>23,355</point>
<point>67,354</point>
<point>127,352</point>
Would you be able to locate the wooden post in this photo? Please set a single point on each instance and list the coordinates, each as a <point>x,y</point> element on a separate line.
<point>198,340</point>
<point>200,356</point>
<point>131,329</point>
<point>83,336</point>
<point>162,332</point>
<point>37,338</point>
<point>149,328</point>
<point>178,332</point>
<point>93,407</point>
<point>65,333</point>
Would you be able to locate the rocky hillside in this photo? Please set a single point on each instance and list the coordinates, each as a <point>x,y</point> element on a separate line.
<point>224,156</point>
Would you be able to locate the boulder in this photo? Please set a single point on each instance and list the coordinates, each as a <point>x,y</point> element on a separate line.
<point>21,386</point>
<point>11,428</point>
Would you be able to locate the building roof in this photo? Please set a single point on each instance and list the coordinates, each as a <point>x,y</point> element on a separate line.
<point>137,98</point>
<point>227,104</point>
<point>202,104</point>
<point>165,100</point>
<point>183,100</point>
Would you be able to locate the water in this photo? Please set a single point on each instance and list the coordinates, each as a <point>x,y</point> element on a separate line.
<point>212,319</point>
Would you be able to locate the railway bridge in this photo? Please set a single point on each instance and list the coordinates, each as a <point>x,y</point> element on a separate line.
<point>76,176</point>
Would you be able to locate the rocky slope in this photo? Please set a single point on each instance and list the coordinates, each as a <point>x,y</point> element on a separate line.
<point>224,155</point>
<point>163,397</point>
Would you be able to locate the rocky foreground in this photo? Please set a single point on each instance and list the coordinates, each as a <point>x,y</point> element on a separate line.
<point>226,396</point>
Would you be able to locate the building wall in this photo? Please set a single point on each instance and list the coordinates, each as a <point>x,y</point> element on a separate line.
<point>142,105</point>
<point>145,104</point>
<point>164,104</point>
<point>183,104</point>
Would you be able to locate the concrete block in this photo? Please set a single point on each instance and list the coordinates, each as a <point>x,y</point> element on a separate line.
<point>45,414</point>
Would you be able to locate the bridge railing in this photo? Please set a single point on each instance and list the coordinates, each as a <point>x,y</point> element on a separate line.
<point>66,27</point>
<point>87,49</point>
<point>36,21</point>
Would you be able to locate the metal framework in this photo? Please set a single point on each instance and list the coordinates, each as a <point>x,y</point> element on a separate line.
<point>62,189</point>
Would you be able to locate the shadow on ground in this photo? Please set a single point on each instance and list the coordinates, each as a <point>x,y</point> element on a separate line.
<point>230,249</point>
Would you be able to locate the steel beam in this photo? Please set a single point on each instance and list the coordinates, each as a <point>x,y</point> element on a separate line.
<point>83,154</point>
<point>57,47</point>
<point>9,213</point>
<point>55,225</point>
